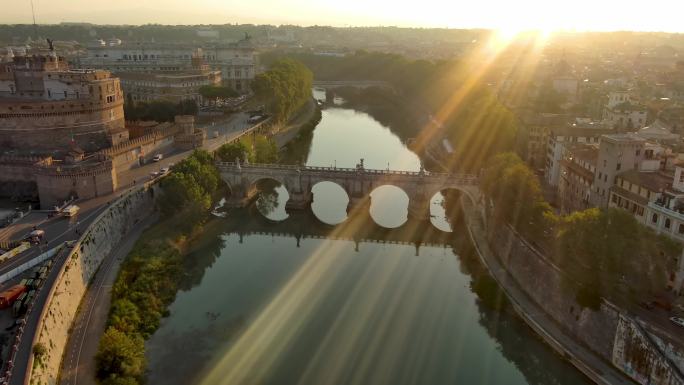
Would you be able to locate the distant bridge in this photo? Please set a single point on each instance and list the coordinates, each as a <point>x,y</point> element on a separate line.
<point>332,84</point>
<point>358,182</point>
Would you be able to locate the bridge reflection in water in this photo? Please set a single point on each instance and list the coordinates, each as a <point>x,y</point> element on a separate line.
<point>358,228</point>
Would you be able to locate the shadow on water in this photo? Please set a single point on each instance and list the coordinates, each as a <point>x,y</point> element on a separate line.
<point>191,351</point>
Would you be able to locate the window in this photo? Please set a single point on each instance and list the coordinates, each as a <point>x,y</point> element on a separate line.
<point>680,230</point>
<point>640,211</point>
<point>618,167</point>
<point>667,223</point>
<point>614,197</point>
<point>654,218</point>
<point>638,152</point>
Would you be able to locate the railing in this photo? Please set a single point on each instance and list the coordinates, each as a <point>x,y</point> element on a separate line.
<point>666,210</point>
<point>343,170</point>
<point>342,238</point>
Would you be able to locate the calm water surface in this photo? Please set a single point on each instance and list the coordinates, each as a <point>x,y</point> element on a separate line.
<point>272,298</point>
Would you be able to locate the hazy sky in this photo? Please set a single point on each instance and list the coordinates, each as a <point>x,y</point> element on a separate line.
<point>651,15</point>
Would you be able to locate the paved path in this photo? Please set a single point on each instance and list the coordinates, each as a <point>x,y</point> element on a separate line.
<point>598,370</point>
<point>78,362</point>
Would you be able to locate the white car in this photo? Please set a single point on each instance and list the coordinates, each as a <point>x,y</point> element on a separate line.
<point>164,171</point>
<point>154,174</point>
<point>158,157</point>
<point>678,321</point>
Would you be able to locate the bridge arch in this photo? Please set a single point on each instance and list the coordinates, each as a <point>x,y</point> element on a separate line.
<point>442,203</point>
<point>332,209</point>
<point>270,196</point>
<point>389,205</point>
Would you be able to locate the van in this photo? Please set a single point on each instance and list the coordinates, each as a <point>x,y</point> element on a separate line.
<point>71,211</point>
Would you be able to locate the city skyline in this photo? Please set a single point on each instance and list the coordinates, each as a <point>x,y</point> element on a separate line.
<point>584,15</point>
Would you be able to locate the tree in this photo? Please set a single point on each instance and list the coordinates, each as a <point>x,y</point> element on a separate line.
<point>39,351</point>
<point>231,151</point>
<point>285,87</point>
<point>120,381</point>
<point>124,316</point>
<point>516,194</point>
<point>609,254</point>
<point>265,150</point>
<point>213,93</point>
<point>120,355</point>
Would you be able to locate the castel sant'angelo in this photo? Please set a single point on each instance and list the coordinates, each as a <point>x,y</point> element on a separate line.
<point>63,132</point>
<point>45,105</point>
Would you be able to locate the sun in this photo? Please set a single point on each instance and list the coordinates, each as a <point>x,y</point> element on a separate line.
<point>504,36</point>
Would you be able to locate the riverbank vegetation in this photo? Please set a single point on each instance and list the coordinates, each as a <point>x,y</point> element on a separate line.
<point>284,88</point>
<point>257,149</point>
<point>447,99</point>
<point>296,150</point>
<point>602,252</point>
<point>148,279</point>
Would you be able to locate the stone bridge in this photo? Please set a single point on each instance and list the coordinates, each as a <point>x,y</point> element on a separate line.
<point>358,183</point>
<point>332,84</point>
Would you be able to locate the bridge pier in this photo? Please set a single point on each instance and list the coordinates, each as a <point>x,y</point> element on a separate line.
<point>419,209</point>
<point>240,197</point>
<point>299,200</point>
<point>358,205</point>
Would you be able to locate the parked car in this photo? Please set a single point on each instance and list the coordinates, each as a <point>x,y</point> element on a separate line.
<point>154,174</point>
<point>164,171</point>
<point>158,157</point>
<point>677,321</point>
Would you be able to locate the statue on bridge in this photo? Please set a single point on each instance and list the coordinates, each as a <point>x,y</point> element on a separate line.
<point>359,166</point>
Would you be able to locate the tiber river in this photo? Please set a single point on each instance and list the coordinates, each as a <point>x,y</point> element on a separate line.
<point>295,300</point>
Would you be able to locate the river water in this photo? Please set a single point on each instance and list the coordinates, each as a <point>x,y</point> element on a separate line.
<point>314,297</point>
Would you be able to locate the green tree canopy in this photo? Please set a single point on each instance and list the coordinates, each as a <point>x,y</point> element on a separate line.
<point>265,150</point>
<point>285,87</point>
<point>516,194</point>
<point>120,356</point>
<point>610,254</point>
<point>215,92</point>
<point>231,151</point>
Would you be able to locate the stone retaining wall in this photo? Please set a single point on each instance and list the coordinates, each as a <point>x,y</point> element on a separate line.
<point>612,334</point>
<point>543,283</point>
<point>77,271</point>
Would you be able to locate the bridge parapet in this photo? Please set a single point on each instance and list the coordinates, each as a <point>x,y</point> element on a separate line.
<point>247,167</point>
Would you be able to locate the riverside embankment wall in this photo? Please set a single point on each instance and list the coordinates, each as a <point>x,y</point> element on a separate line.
<point>611,333</point>
<point>75,274</point>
